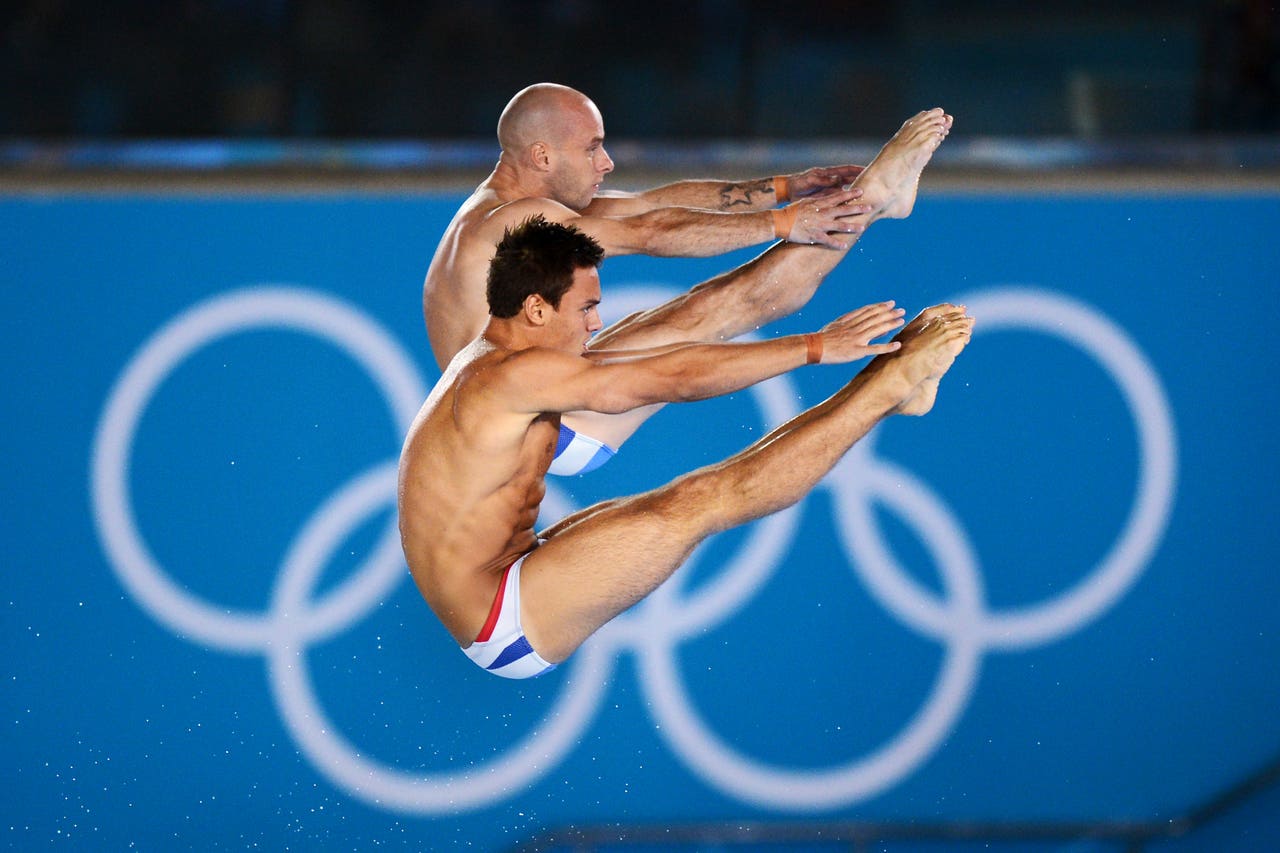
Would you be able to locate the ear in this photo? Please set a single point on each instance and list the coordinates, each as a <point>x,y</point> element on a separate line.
<point>540,156</point>
<point>537,310</point>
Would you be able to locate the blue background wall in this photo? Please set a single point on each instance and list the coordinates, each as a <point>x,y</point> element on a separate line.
<point>1119,393</point>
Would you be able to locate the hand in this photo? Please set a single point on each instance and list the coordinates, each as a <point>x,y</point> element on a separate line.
<point>822,219</point>
<point>819,178</point>
<point>849,337</point>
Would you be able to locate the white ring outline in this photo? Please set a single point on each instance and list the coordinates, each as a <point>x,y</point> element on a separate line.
<point>1139,385</point>
<point>236,311</point>
<point>277,632</point>
<point>768,786</point>
<point>966,629</point>
<point>419,792</point>
<point>966,641</point>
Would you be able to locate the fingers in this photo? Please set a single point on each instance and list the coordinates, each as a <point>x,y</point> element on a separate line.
<point>833,197</point>
<point>868,312</point>
<point>832,241</point>
<point>826,196</point>
<point>839,236</point>
<point>889,315</point>
<point>819,219</point>
<point>876,308</point>
<point>833,234</point>
<point>827,227</point>
<point>849,336</point>
<point>879,329</point>
<point>870,322</point>
<point>839,196</point>
<point>820,179</point>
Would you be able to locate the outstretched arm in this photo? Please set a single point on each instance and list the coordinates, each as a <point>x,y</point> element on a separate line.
<point>726,196</point>
<point>832,220</point>
<point>611,382</point>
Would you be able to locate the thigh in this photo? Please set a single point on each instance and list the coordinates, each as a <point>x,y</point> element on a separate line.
<point>600,561</point>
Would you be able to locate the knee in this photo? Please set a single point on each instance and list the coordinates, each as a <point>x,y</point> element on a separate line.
<point>700,503</point>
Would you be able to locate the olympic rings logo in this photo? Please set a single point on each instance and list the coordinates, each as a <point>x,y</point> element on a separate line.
<point>962,623</point>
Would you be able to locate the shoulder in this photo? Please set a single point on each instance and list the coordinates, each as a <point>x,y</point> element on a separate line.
<point>513,212</point>
<point>536,366</point>
<point>528,381</point>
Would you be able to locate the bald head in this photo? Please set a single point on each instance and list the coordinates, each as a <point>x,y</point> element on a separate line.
<point>540,113</point>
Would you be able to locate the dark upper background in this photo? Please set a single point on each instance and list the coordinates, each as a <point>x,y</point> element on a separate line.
<point>659,69</point>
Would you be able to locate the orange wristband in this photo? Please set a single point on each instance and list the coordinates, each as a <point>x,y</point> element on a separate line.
<point>781,191</point>
<point>813,347</point>
<point>784,219</point>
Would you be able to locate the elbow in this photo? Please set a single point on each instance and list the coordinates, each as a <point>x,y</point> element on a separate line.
<point>663,379</point>
<point>658,233</point>
<point>649,241</point>
<point>615,402</point>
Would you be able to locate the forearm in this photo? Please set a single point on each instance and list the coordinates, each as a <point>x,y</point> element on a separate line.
<point>729,196</point>
<point>688,232</point>
<point>701,371</point>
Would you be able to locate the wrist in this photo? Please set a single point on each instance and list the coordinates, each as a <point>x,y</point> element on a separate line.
<point>781,189</point>
<point>784,219</point>
<point>813,348</point>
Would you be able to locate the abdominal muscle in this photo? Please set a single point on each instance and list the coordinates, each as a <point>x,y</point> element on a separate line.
<point>460,528</point>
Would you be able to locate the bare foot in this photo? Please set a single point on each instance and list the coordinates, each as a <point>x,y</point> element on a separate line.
<point>930,344</point>
<point>890,181</point>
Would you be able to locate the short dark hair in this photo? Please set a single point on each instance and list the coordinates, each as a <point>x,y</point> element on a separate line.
<point>537,256</point>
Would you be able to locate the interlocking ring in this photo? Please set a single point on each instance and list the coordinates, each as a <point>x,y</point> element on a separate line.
<point>962,622</point>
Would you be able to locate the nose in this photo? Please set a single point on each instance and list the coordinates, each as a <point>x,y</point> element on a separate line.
<point>594,323</point>
<point>605,166</point>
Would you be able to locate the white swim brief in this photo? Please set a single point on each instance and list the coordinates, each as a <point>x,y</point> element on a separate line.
<point>501,647</point>
<point>577,453</point>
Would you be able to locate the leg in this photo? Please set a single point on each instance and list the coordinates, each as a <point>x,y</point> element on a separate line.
<point>774,284</point>
<point>784,278</point>
<point>600,561</point>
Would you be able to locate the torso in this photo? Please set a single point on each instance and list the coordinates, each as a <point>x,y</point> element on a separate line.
<point>453,295</point>
<point>471,480</point>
